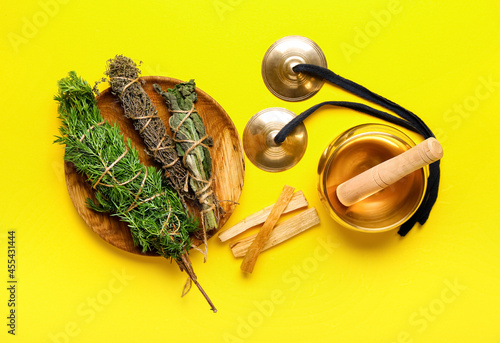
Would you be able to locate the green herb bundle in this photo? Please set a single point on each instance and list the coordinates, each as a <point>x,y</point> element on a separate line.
<point>137,194</point>
<point>192,145</point>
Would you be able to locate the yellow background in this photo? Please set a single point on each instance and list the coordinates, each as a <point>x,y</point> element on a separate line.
<point>439,59</point>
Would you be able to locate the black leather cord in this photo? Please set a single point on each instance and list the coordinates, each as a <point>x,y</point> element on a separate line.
<point>291,125</point>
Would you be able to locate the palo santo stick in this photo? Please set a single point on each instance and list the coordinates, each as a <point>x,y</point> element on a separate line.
<point>264,233</point>
<point>281,232</point>
<point>257,218</point>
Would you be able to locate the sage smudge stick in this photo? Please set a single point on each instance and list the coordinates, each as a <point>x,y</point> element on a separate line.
<point>124,81</point>
<point>192,143</point>
<point>137,194</point>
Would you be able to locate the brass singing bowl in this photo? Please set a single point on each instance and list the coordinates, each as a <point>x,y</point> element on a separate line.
<point>351,153</point>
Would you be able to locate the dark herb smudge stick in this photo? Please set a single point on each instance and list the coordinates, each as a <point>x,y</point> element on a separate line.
<point>125,83</point>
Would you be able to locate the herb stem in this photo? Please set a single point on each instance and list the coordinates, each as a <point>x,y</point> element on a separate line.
<point>185,264</point>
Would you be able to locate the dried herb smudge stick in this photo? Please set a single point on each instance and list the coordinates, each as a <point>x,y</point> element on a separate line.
<point>125,83</point>
<point>191,143</point>
<point>196,168</point>
<point>137,194</point>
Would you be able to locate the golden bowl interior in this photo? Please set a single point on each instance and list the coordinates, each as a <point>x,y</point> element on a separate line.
<point>355,151</point>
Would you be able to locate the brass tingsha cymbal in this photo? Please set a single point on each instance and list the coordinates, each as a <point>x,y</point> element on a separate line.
<point>277,66</point>
<point>259,145</point>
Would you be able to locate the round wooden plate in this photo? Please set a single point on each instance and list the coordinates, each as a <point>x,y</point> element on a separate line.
<point>228,165</point>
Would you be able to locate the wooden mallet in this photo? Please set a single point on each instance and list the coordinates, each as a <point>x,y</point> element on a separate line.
<point>386,173</point>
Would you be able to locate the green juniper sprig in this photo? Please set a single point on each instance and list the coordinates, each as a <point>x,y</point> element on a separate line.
<point>126,188</point>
